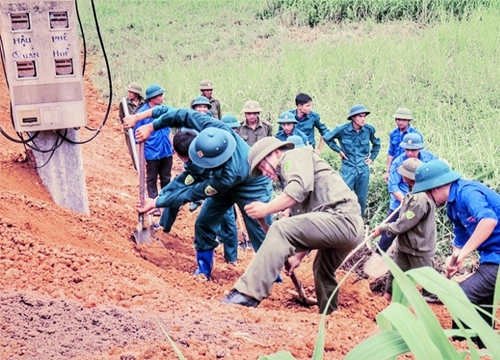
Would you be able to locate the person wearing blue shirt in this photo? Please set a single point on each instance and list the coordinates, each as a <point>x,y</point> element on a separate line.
<point>358,147</point>
<point>307,120</point>
<point>288,122</point>
<point>474,210</point>
<point>158,148</point>
<point>402,117</point>
<point>413,148</point>
<point>225,153</point>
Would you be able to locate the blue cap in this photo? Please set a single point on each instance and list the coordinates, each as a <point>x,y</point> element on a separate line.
<point>357,109</point>
<point>433,174</point>
<point>297,140</point>
<point>231,121</point>
<point>212,147</point>
<point>412,141</point>
<point>201,100</point>
<point>152,91</point>
<point>286,118</point>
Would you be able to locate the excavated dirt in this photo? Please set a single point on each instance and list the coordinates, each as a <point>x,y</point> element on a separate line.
<point>76,287</point>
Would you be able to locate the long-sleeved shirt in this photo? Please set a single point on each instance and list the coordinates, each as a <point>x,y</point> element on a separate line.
<point>251,136</point>
<point>396,183</point>
<point>415,226</point>
<point>282,136</point>
<point>356,145</point>
<point>158,145</point>
<point>307,124</point>
<point>468,203</point>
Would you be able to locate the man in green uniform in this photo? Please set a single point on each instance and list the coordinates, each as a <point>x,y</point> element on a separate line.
<point>207,88</point>
<point>415,228</point>
<point>253,128</point>
<point>354,139</point>
<point>325,216</point>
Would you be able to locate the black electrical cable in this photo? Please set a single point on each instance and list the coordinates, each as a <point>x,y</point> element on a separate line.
<point>51,150</point>
<point>83,39</point>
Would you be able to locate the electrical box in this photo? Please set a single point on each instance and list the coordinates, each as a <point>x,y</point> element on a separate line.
<point>43,65</point>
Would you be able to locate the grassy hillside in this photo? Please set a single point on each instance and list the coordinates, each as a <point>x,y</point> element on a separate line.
<point>445,71</point>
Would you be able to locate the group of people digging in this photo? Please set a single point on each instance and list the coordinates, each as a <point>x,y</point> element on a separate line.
<point>324,214</point>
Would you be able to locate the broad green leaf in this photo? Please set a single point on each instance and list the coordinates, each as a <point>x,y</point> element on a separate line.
<point>385,345</point>
<point>412,331</point>
<point>421,309</point>
<point>280,355</point>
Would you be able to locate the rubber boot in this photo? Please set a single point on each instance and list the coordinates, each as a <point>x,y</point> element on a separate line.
<point>205,260</point>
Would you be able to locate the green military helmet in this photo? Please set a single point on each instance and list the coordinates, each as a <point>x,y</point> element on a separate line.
<point>153,91</point>
<point>412,141</point>
<point>206,85</point>
<point>356,110</point>
<point>212,147</point>
<point>135,88</point>
<point>201,100</point>
<point>408,168</point>
<point>403,113</point>
<point>262,148</point>
<point>286,118</point>
<point>252,106</point>
<point>433,174</point>
<point>231,121</point>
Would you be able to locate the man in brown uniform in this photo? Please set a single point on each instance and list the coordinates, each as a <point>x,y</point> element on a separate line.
<point>326,216</point>
<point>135,100</point>
<point>253,128</point>
<point>415,228</point>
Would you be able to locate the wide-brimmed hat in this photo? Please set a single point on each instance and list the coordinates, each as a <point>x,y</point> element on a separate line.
<point>297,140</point>
<point>153,91</point>
<point>212,147</point>
<point>402,113</point>
<point>433,174</point>
<point>287,117</point>
<point>135,88</point>
<point>262,148</point>
<point>231,121</point>
<point>357,109</point>
<point>206,85</point>
<point>408,168</point>
<point>412,141</point>
<point>252,106</point>
<point>201,100</point>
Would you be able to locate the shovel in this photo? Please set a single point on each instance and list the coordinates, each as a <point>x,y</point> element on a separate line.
<point>300,294</point>
<point>142,232</point>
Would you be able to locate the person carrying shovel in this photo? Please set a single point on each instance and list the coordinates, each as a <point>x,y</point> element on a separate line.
<point>325,216</point>
<point>474,210</point>
<point>415,229</point>
<point>225,154</point>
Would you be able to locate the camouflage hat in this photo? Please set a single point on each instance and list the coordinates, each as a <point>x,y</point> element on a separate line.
<point>212,147</point>
<point>201,100</point>
<point>206,85</point>
<point>135,88</point>
<point>262,148</point>
<point>403,113</point>
<point>408,168</point>
<point>252,106</point>
<point>286,118</point>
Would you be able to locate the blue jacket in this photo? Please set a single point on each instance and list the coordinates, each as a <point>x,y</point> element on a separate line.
<point>396,182</point>
<point>307,125</point>
<point>355,145</point>
<point>396,137</point>
<point>282,136</point>
<point>233,177</point>
<point>468,203</point>
<point>158,145</point>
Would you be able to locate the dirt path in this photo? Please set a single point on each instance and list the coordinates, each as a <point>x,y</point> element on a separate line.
<point>75,286</point>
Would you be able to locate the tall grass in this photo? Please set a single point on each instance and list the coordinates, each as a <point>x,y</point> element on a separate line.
<point>314,12</point>
<point>446,73</point>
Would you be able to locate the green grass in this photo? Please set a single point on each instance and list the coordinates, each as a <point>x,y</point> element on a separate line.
<point>445,71</point>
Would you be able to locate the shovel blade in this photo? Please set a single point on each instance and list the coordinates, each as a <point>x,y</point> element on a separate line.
<point>142,235</point>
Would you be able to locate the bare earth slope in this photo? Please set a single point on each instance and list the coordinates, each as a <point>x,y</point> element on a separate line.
<point>75,286</point>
